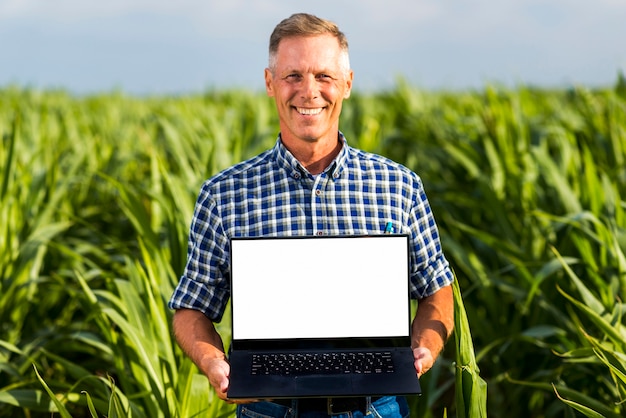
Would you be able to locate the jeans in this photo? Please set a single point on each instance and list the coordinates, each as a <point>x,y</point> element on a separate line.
<point>385,407</point>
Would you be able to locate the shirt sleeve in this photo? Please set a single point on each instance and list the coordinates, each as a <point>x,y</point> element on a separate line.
<point>430,270</point>
<point>205,283</point>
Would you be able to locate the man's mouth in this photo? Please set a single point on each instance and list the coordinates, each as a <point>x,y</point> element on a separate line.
<point>309,111</point>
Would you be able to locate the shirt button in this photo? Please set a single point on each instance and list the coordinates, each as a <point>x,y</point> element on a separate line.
<point>320,233</point>
<point>318,192</point>
<point>296,176</point>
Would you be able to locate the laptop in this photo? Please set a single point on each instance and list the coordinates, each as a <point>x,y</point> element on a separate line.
<point>342,301</point>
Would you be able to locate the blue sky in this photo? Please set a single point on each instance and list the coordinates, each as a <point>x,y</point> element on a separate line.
<point>164,46</point>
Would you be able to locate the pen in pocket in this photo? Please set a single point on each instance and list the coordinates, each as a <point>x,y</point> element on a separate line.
<point>389,228</point>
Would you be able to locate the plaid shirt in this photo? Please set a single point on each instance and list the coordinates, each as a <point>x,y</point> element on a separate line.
<point>272,194</point>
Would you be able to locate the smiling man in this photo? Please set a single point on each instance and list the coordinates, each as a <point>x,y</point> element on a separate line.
<point>310,183</point>
<point>309,77</point>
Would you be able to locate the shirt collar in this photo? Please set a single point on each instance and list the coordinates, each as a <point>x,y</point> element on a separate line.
<point>287,161</point>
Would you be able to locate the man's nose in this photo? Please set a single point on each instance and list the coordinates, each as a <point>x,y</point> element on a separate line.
<point>309,87</point>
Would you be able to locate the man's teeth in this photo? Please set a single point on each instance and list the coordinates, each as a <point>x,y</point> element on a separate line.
<point>304,111</point>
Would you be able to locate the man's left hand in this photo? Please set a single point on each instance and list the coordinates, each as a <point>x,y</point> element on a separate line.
<point>423,360</point>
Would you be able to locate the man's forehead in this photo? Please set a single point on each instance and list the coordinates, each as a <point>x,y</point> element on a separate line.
<point>325,38</point>
<point>309,52</point>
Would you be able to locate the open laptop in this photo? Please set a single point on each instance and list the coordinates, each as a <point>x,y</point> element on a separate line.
<point>344,299</point>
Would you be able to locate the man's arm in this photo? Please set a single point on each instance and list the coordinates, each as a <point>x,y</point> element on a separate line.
<point>199,339</point>
<point>432,326</point>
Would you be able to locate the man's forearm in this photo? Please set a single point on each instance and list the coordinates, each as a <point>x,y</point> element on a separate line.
<point>434,321</point>
<point>197,337</point>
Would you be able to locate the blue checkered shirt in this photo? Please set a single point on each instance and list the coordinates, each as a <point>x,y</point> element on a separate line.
<point>272,194</point>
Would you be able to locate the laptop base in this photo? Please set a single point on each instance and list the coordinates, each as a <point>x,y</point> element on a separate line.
<point>403,381</point>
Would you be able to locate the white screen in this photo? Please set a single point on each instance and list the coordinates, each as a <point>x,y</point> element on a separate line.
<point>331,287</point>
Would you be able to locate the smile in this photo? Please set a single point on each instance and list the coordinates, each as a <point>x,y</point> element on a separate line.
<point>307,111</point>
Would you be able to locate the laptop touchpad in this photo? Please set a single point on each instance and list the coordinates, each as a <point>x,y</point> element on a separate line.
<point>324,385</point>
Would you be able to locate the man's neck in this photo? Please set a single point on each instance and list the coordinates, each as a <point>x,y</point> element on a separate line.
<point>315,156</point>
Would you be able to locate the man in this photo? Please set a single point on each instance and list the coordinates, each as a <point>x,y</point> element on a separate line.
<point>310,183</point>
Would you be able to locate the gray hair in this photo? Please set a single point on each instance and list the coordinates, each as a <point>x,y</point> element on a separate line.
<point>303,24</point>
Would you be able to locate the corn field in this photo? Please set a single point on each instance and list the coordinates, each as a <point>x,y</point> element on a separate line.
<point>97,192</point>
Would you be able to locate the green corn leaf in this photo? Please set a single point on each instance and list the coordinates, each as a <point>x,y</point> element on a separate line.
<point>60,408</point>
<point>605,326</point>
<point>31,399</point>
<point>90,405</point>
<point>471,389</point>
<point>572,395</point>
<point>587,411</point>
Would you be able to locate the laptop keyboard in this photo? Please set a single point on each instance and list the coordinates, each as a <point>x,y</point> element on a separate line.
<point>322,363</point>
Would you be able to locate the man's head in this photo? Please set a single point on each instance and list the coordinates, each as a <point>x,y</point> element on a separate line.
<point>309,76</point>
<point>303,24</point>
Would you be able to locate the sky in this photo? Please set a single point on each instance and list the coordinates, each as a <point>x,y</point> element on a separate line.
<point>149,47</point>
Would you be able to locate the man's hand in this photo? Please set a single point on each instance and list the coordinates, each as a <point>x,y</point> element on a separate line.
<point>218,371</point>
<point>198,338</point>
<point>423,360</point>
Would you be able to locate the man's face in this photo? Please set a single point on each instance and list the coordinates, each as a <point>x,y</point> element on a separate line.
<point>309,83</point>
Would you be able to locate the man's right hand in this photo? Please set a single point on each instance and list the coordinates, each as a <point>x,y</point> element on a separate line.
<point>218,371</point>
<point>199,339</point>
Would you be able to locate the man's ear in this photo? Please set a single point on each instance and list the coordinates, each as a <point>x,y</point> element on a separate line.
<point>348,84</point>
<point>268,83</point>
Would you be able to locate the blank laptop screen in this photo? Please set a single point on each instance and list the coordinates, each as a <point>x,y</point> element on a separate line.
<point>320,287</point>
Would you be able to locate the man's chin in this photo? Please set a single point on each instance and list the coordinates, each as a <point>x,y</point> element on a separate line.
<point>308,136</point>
